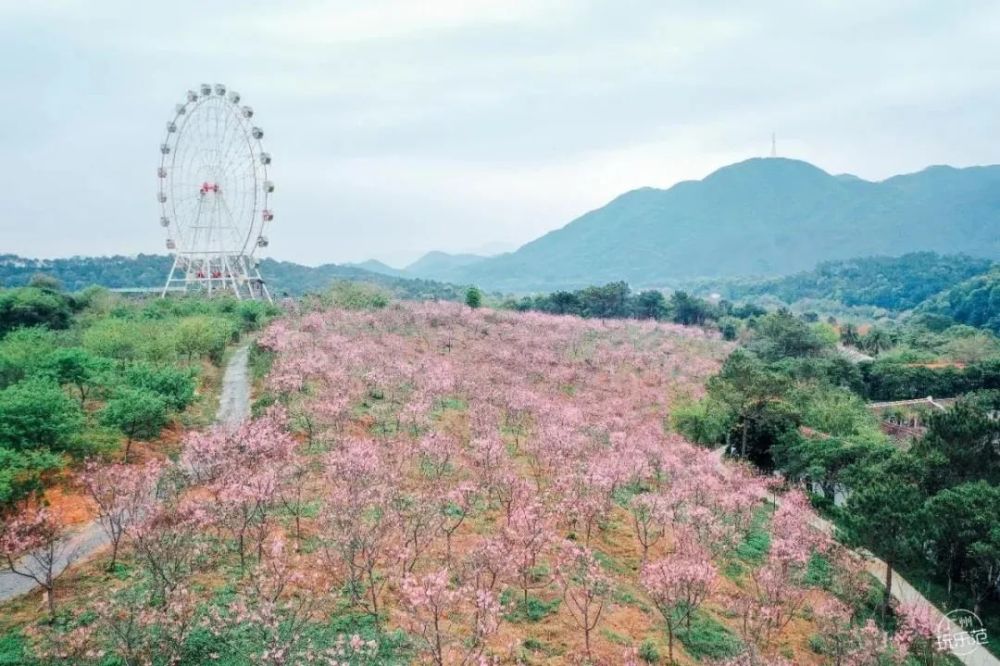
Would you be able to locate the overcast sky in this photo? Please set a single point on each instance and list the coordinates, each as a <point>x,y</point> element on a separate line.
<point>404,126</point>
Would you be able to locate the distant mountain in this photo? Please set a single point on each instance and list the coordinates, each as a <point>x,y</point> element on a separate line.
<point>376,266</point>
<point>442,264</point>
<point>763,217</point>
<point>150,270</point>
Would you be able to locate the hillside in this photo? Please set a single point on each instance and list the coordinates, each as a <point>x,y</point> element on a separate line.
<point>150,270</point>
<point>893,283</point>
<point>975,302</point>
<point>758,217</point>
<point>421,494</point>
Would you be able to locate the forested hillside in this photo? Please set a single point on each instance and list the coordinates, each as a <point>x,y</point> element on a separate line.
<point>150,271</point>
<point>975,302</point>
<point>893,283</point>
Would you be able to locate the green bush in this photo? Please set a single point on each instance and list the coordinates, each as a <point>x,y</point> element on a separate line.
<point>76,367</point>
<point>136,413</point>
<point>126,340</point>
<point>253,314</point>
<point>21,473</point>
<point>31,306</point>
<point>648,652</point>
<point>203,337</point>
<point>37,413</point>
<point>709,639</point>
<point>534,610</point>
<point>14,650</point>
<point>174,385</point>
<point>357,296</point>
<point>23,353</point>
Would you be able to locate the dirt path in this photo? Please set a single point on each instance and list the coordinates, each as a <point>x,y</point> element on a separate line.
<point>234,407</point>
<point>902,591</point>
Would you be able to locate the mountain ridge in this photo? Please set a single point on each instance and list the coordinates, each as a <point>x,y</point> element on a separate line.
<point>763,216</point>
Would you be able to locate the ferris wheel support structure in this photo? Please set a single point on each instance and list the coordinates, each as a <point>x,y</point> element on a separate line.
<point>214,195</point>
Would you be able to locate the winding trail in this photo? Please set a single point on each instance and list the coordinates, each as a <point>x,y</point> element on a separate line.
<point>902,591</point>
<point>234,407</point>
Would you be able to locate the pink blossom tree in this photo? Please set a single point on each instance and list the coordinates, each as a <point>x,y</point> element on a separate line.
<point>34,546</point>
<point>585,586</point>
<point>679,584</point>
<point>434,609</point>
<point>649,517</point>
<point>124,495</point>
<point>527,536</point>
<point>169,541</point>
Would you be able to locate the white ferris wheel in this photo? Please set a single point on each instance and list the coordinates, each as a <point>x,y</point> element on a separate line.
<point>215,194</point>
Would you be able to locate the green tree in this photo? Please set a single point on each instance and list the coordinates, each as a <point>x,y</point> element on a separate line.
<point>23,353</point>
<point>356,296</point>
<point>31,306</point>
<point>730,328</point>
<point>175,386</point>
<point>959,521</point>
<point>651,304</point>
<point>876,341</point>
<point>687,310</point>
<point>781,335</point>
<point>37,413</point>
<point>253,314</point>
<point>609,301</point>
<point>45,282</point>
<point>564,302</point>
<point>814,458</point>
<point>744,387</point>
<point>704,422</point>
<point>114,338</point>
<point>21,473</point>
<point>883,512</point>
<point>136,413</point>
<point>203,337</point>
<point>76,367</point>
<point>473,297</point>
<point>961,444</point>
<point>849,335</point>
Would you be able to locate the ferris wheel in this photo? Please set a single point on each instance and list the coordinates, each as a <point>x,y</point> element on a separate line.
<point>214,195</point>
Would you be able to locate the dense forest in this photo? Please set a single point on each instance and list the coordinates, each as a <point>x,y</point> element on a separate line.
<point>975,302</point>
<point>892,283</point>
<point>285,278</point>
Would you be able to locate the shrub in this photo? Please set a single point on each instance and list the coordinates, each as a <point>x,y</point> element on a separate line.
<point>357,296</point>
<point>136,413</point>
<point>174,385</point>
<point>23,353</point>
<point>37,413</point>
<point>31,306</point>
<point>708,639</point>
<point>21,473</point>
<point>203,336</point>
<point>648,652</point>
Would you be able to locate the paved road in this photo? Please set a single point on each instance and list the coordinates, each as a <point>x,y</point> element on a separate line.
<point>234,407</point>
<point>234,400</point>
<point>902,591</point>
